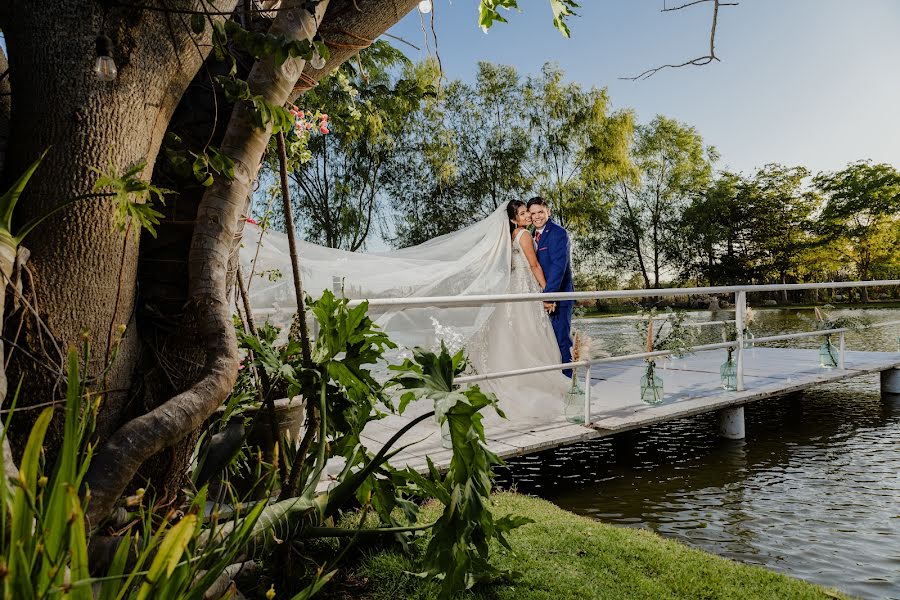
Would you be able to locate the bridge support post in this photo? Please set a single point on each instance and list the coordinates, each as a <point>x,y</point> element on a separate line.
<point>731,423</point>
<point>890,382</point>
<point>740,311</point>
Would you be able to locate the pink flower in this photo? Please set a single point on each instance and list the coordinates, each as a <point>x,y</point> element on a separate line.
<point>323,129</point>
<point>251,221</point>
<point>309,126</point>
<point>323,117</point>
<point>300,114</point>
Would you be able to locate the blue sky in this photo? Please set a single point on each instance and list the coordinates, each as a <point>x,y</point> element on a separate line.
<point>801,82</point>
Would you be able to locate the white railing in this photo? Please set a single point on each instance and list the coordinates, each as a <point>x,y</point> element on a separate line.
<point>740,308</point>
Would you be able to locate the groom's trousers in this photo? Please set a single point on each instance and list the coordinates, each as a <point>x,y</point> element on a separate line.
<point>561,319</point>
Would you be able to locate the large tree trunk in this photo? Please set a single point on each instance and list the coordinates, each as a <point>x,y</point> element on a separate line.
<point>84,267</point>
<point>214,234</point>
<point>163,273</point>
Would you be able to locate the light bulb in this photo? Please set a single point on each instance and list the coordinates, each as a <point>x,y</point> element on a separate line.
<point>105,66</point>
<point>317,61</point>
<point>425,7</point>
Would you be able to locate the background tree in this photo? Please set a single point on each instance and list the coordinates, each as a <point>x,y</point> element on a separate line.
<point>780,211</point>
<point>339,187</point>
<point>421,181</point>
<point>672,167</point>
<point>714,231</point>
<point>568,126</point>
<point>862,205</point>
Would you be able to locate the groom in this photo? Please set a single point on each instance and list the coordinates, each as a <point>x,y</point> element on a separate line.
<point>551,242</point>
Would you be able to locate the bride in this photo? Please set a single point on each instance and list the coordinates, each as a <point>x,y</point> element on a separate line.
<point>492,256</point>
<point>518,335</point>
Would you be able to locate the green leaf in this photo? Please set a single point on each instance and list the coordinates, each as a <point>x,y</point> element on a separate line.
<point>111,587</point>
<point>198,23</point>
<point>313,588</point>
<point>133,196</point>
<point>169,554</point>
<point>9,200</point>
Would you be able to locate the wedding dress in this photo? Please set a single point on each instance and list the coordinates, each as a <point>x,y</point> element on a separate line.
<point>478,259</point>
<point>518,335</point>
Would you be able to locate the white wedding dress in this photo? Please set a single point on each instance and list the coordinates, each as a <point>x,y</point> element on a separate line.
<point>478,259</point>
<point>518,335</point>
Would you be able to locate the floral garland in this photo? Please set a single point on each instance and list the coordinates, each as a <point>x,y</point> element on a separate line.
<point>307,121</point>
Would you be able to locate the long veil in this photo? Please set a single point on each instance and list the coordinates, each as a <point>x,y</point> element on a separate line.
<point>473,260</point>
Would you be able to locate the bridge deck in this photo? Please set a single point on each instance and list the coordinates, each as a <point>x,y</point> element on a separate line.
<point>692,387</point>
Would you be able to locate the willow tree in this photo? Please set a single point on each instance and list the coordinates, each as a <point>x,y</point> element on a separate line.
<point>92,270</point>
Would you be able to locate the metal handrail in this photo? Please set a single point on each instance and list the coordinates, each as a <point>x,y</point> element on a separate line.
<point>740,303</point>
<point>480,299</point>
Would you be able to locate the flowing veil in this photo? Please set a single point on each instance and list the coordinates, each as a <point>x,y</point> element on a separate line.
<point>473,260</point>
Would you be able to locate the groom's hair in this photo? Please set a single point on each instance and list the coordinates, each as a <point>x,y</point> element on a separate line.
<point>538,200</point>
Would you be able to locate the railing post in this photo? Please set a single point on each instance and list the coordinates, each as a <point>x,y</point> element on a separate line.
<point>587,395</point>
<point>740,309</point>
<point>841,351</point>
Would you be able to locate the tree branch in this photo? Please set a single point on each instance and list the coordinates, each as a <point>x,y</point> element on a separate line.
<point>214,233</point>
<point>700,60</point>
<point>687,4</point>
<point>348,27</point>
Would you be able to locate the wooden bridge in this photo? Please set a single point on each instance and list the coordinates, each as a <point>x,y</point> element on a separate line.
<point>692,387</point>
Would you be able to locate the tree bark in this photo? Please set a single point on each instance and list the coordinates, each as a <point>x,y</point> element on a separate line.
<point>5,107</point>
<point>84,268</point>
<point>349,26</point>
<point>214,234</point>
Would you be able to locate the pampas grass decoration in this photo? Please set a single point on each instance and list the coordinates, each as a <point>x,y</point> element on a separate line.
<point>581,346</point>
<point>749,315</point>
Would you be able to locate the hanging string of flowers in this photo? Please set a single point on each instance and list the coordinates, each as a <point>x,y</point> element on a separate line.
<point>306,121</point>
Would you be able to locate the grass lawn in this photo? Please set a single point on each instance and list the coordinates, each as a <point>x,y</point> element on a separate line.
<point>564,556</point>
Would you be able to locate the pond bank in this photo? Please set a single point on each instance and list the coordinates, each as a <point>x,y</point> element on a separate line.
<point>565,556</point>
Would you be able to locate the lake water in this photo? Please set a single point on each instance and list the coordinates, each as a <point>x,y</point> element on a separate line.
<point>813,491</point>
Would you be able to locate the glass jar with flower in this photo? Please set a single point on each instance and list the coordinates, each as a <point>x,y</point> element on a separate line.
<point>671,335</point>
<point>749,316</point>
<point>828,355</point>
<point>574,405</point>
<point>728,369</point>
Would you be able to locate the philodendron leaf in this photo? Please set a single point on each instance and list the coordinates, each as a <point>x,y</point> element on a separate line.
<point>133,196</point>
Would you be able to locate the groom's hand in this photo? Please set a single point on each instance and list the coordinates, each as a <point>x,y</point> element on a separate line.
<point>549,307</point>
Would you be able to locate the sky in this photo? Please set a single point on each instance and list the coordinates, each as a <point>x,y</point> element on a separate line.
<point>800,82</point>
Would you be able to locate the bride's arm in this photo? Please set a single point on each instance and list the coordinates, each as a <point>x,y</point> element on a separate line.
<point>528,248</point>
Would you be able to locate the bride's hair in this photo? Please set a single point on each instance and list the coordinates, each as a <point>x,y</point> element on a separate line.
<point>511,209</point>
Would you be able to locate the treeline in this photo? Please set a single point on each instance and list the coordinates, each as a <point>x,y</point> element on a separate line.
<point>411,157</point>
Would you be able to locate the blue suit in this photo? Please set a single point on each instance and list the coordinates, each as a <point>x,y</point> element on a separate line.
<point>554,256</point>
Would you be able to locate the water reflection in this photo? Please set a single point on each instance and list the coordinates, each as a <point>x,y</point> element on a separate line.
<point>813,491</point>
